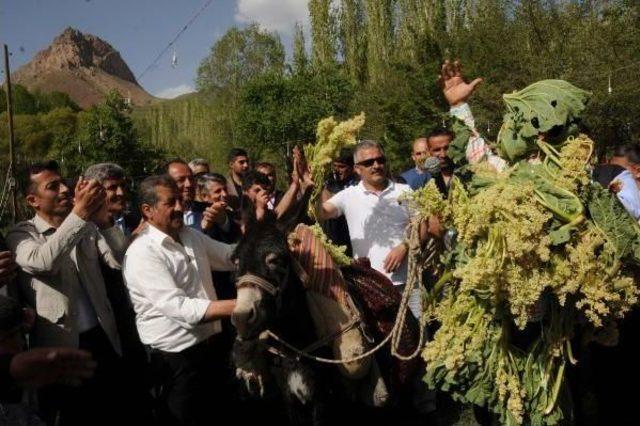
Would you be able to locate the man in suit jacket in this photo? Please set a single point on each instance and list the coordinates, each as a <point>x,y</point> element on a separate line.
<point>59,252</point>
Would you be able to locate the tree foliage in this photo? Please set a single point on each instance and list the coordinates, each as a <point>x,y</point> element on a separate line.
<point>238,56</point>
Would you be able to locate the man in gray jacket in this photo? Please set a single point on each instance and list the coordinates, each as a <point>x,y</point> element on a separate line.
<point>59,252</point>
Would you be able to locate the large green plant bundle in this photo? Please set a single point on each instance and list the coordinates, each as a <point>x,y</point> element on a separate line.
<point>547,106</point>
<point>331,137</point>
<point>540,251</point>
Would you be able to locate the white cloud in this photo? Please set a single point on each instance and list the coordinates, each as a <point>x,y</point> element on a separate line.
<point>173,92</point>
<point>273,15</point>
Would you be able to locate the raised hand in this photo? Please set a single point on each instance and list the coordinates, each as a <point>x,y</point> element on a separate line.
<point>455,89</point>
<point>89,197</point>
<point>215,213</point>
<point>102,217</point>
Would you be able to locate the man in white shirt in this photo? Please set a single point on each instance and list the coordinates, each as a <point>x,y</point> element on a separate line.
<point>167,272</point>
<point>377,220</point>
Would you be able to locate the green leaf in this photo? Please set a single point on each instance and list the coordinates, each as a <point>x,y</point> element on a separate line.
<point>458,147</point>
<point>537,109</point>
<point>610,216</point>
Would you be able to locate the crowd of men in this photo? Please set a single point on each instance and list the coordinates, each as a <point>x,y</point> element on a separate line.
<point>126,308</point>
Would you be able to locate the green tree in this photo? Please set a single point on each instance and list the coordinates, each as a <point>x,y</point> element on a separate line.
<point>353,39</point>
<point>379,37</point>
<point>323,33</point>
<point>238,56</point>
<point>300,59</point>
<point>106,133</point>
<point>278,111</point>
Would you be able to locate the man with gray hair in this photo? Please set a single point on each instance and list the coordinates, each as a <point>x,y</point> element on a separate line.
<point>377,221</point>
<point>199,166</point>
<point>375,218</point>
<point>112,178</point>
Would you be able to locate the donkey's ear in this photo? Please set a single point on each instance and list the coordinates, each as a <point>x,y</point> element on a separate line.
<point>295,215</point>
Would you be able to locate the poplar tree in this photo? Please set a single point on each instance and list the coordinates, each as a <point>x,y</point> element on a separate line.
<point>379,23</point>
<point>352,39</point>
<point>300,60</point>
<point>323,33</point>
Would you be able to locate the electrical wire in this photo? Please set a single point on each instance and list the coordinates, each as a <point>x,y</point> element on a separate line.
<point>171,43</point>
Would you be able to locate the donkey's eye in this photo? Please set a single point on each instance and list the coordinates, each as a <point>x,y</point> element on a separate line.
<point>272,260</point>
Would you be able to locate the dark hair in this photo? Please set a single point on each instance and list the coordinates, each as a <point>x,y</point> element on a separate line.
<point>345,157</point>
<point>174,161</point>
<point>440,131</point>
<point>254,177</point>
<point>632,153</point>
<point>236,152</point>
<point>147,193</point>
<point>264,165</point>
<point>11,315</point>
<point>36,168</point>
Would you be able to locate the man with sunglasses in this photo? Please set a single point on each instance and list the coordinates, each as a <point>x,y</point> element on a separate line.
<point>375,218</point>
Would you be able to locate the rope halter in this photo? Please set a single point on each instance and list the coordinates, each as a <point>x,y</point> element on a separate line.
<point>251,280</point>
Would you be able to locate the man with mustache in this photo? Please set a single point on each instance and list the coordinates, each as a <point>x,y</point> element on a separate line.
<point>377,219</point>
<point>112,178</point>
<point>59,252</point>
<point>167,270</point>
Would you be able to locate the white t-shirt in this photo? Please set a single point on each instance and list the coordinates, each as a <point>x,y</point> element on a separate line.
<point>377,223</point>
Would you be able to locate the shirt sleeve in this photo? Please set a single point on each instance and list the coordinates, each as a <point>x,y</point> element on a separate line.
<point>629,195</point>
<point>147,276</point>
<point>218,253</point>
<point>338,200</point>
<point>477,149</point>
<point>112,244</point>
<point>37,257</point>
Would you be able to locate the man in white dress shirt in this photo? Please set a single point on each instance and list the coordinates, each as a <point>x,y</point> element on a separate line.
<point>167,270</point>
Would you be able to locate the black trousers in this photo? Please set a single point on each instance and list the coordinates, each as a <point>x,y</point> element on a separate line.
<point>194,384</point>
<point>101,400</point>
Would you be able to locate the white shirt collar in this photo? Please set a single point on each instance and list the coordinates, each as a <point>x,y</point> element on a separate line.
<point>390,186</point>
<point>157,235</point>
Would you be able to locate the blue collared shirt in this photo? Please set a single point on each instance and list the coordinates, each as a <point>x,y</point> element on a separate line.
<point>416,179</point>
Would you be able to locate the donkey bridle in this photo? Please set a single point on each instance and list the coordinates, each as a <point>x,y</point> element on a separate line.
<point>251,280</point>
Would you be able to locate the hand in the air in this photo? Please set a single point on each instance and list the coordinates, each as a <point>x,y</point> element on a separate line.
<point>455,90</point>
<point>89,197</point>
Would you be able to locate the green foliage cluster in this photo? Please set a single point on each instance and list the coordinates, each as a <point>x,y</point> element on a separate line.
<point>541,251</point>
<point>76,138</point>
<point>25,102</point>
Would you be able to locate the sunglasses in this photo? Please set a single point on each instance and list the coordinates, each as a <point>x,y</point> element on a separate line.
<point>368,163</point>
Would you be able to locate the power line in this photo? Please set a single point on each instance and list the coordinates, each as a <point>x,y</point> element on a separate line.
<point>163,51</point>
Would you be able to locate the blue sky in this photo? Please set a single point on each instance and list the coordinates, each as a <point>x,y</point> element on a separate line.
<point>140,29</point>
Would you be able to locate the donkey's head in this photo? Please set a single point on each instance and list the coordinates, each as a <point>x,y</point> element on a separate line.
<point>263,273</point>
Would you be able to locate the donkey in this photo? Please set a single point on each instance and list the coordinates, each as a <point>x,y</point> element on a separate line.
<point>270,295</point>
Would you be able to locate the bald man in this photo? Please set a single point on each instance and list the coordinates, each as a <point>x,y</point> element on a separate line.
<point>417,176</point>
